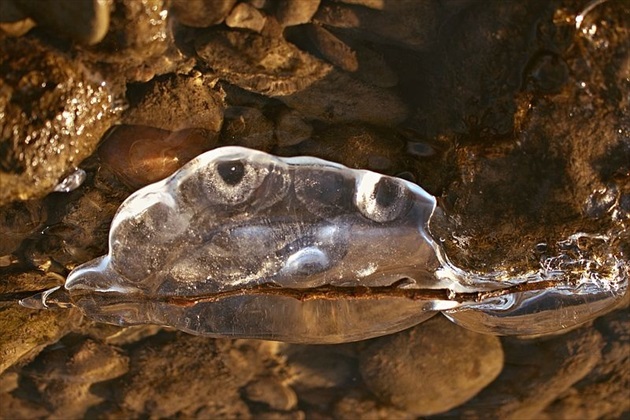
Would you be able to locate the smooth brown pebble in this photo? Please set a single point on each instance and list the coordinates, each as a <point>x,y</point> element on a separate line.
<point>140,155</point>
<point>296,12</point>
<point>431,368</point>
<point>272,392</point>
<point>245,16</point>
<point>291,129</point>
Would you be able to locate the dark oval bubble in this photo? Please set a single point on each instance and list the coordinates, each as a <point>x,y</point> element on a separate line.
<point>384,200</point>
<point>231,171</point>
<point>324,192</point>
<point>387,192</point>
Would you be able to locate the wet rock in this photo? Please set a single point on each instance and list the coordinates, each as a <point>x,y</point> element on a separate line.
<point>178,103</point>
<point>319,374</point>
<point>333,49</point>
<point>201,13</point>
<point>291,129</point>
<point>361,406</point>
<point>373,68</point>
<point>246,16</point>
<point>274,67</point>
<point>25,333</point>
<point>139,43</point>
<point>263,64</point>
<point>271,392</point>
<point>17,28</point>
<point>8,382</point>
<point>604,391</point>
<point>247,127</point>
<point>20,408</point>
<point>391,366</point>
<point>84,21</point>
<point>411,24</point>
<point>65,374</point>
<point>339,98</point>
<point>358,146</point>
<point>547,73</point>
<point>159,383</point>
<point>140,155</point>
<point>530,139</point>
<point>50,125</point>
<point>372,4</point>
<point>296,12</point>
<point>554,145</point>
<point>17,221</point>
<point>541,370</point>
<point>77,229</point>
<point>16,283</point>
<point>73,181</point>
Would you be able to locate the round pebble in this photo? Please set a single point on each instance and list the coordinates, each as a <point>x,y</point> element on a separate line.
<point>431,368</point>
<point>245,16</point>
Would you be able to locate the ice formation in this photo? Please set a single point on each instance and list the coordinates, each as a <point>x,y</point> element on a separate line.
<point>240,243</point>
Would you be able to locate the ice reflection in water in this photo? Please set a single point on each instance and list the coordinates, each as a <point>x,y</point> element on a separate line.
<point>241,243</point>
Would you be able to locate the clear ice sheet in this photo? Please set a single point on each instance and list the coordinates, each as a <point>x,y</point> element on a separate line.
<point>235,218</point>
<point>235,221</point>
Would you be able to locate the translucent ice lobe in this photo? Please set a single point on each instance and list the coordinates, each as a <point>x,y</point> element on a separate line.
<point>312,321</point>
<point>581,285</point>
<point>234,219</point>
<point>534,313</point>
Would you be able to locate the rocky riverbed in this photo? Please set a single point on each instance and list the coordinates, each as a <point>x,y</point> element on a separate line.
<point>516,115</point>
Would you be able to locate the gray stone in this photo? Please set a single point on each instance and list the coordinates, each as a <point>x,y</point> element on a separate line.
<point>354,406</point>
<point>160,385</point>
<point>139,43</point>
<point>603,393</point>
<point>18,220</point>
<point>25,332</point>
<point>262,64</point>
<point>333,49</point>
<point>84,21</point>
<point>541,370</point>
<point>245,16</point>
<point>180,102</point>
<point>340,98</point>
<point>408,23</point>
<point>65,375</point>
<point>291,129</point>
<point>271,392</point>
<point>431,368</point>
<point>248,127</point>
<point>296,12</point>
<point>201,13</point>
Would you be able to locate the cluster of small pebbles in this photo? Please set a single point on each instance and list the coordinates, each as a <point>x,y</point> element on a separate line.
<point>516,118</point>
